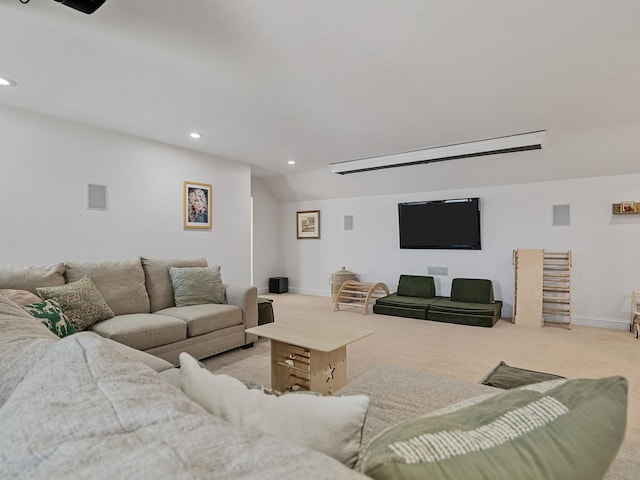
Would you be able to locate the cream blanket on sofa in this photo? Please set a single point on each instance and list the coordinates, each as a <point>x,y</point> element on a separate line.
<point>86,411</point>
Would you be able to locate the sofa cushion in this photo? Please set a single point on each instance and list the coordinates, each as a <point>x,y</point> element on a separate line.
<point>507,377</point>
<point>416,286</point>
<point>121,282</point>
<point>51,315</point>
<point>399,394</point>
<point>196,285</point>
<point>21,297</point>
<point>483,319</point>
<point>81,301</point>
<point>473,290</point>
<point>332,425</point>
<point>105,417</point>
<point>395,300</point>
<point>156,363</point>
<point>142,330</point>
<point>555,429</point>
<point>451,306</point>
<point>205,318</point>
<point>158,282</point>
<point>406,311</point>
<point>23,341</point>
<point>31,277</point>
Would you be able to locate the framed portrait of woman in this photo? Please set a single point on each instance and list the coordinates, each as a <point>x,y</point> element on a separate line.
<point>197,205</point>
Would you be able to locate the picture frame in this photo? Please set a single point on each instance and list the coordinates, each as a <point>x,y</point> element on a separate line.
<point>628,207</point>
<point>196,205</point>
<point>308,224</point>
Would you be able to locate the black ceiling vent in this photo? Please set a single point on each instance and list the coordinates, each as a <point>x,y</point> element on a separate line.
<point>479,148</point>
<point>85,6</point>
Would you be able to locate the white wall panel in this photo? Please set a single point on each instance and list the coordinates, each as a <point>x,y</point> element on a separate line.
<point>46,164</point>
<point>604,246</point>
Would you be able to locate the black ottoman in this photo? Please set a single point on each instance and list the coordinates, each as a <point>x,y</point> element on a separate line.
<point>265,310</point>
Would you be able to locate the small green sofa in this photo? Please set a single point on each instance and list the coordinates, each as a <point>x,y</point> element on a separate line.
<point>414,296</point>
<point>471,301</point>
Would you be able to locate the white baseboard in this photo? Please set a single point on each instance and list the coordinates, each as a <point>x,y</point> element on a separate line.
<point>306,291</point>
<point>301,291</point>
<point>582,320</point>
<point>600,322</point>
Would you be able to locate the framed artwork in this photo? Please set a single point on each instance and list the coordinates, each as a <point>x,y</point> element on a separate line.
<point>628,207</point>
<point>196,198</point>
<point>308,224</point>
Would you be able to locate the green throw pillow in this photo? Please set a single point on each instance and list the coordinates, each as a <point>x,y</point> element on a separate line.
<point>558,429</point>
<point>507,377</point>
<point>197,285</point>
<point>52,316</point>
<point>81,301</point>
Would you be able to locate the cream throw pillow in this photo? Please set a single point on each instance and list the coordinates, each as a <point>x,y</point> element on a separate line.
<point>197,285</point>
<point>331,425</point>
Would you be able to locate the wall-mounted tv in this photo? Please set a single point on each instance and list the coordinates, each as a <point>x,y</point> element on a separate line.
<point>445,224</point>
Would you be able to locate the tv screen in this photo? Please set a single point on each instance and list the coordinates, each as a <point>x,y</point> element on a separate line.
<point>445,224</point>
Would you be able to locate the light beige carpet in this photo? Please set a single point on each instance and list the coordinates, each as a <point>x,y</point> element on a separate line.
<point>459,351</point>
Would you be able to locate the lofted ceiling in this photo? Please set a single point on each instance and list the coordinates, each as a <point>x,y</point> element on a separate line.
<point>323,81</point>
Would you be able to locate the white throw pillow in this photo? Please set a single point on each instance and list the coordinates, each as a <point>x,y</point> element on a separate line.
<point>331,424</point>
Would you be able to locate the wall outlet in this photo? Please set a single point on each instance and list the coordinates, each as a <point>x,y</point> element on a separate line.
<point>444,271</point>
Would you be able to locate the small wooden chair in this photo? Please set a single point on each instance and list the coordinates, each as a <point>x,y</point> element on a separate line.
<point>635,309</point>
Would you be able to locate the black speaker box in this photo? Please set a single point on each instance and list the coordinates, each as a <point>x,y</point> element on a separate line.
<point>278,285</point>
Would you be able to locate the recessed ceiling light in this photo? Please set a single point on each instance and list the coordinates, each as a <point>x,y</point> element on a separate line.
<point>196,135</point>
<point>7,82</point>
<point>291,162</point>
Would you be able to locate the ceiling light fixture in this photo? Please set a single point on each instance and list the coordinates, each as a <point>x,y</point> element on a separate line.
<point>291,162</point>
<point>7,82</point>
<point>508,144</point>
<point>196,135</point>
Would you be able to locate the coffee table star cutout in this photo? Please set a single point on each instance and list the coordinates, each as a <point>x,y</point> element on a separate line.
<point>291,360</point>
<point>328,371</point>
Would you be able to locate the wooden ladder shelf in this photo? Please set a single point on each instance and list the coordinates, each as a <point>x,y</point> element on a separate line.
<point>358,293</point>
<point>556,288</point>
<point>542,294</point>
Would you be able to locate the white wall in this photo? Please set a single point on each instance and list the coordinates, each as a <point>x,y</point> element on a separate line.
<point>606,260</point>
<point>266,237</point>
<point>46,164</point>
<point>603,151</point>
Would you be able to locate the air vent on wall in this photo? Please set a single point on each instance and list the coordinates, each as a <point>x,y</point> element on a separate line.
<point>509,144</point>
<point>96,197</point>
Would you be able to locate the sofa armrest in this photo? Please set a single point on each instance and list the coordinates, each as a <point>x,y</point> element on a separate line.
<point>247,299</point>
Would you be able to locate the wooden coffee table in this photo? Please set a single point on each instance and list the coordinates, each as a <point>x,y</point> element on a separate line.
<point>309,355</point>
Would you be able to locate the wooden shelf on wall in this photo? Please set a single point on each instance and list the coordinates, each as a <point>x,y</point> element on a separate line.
<point>626,208</point>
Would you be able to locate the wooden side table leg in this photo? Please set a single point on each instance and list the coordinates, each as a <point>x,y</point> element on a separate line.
<point>328,370</point>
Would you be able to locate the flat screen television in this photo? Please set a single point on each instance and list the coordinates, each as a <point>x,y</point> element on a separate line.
<point>443,224</point>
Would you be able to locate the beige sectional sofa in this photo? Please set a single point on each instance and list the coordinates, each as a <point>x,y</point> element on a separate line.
<point>87,407</point>
<point>139,291</point>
